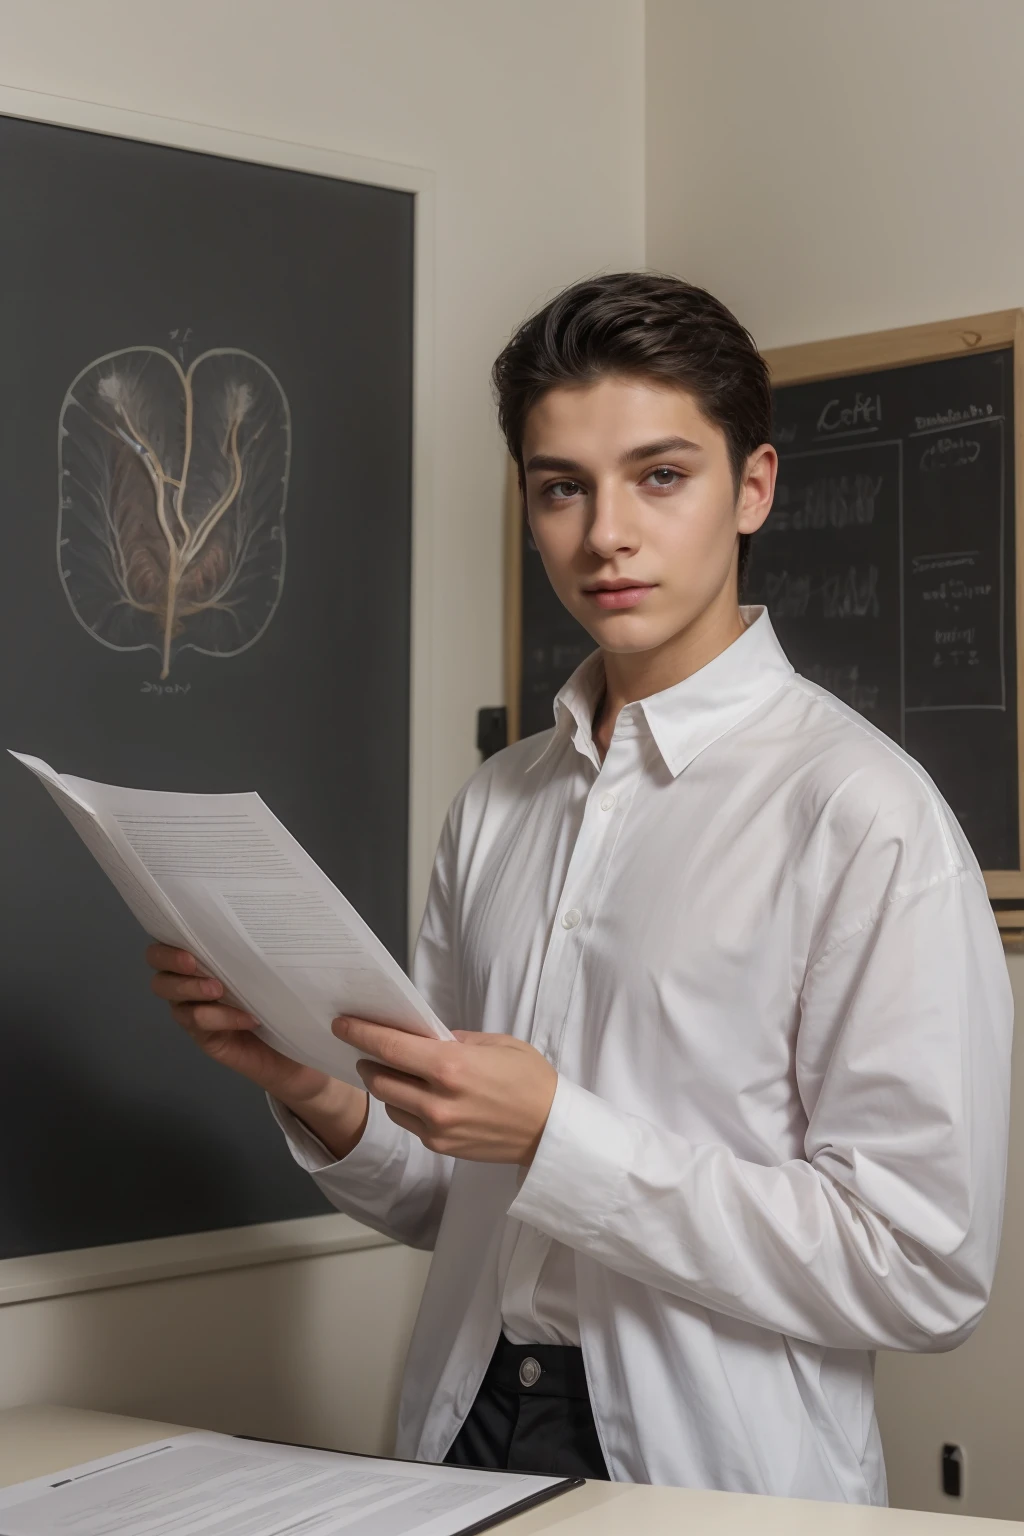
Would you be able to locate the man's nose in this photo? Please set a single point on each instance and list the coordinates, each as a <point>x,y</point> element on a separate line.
<point>612,527</point>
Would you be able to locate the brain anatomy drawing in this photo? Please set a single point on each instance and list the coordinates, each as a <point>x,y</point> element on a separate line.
<point>172,489</point>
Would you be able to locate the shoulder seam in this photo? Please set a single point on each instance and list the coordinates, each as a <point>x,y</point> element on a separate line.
<point>902,893</point>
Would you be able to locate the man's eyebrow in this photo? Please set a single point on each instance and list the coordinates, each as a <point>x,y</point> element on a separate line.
<point>656,450</point>
<point>546,461</point>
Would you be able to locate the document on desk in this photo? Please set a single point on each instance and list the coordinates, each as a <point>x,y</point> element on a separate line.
<point>219,875</point>
<point>214,1485</point>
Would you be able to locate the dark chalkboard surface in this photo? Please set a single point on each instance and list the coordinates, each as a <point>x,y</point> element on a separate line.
<point>889,563</point>
<point>294,682</point>
<point>887,566</point>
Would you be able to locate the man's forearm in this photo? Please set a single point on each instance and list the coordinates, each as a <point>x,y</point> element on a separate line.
<point>336,1116</point>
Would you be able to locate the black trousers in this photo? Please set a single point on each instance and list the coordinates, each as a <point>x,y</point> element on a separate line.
<point>532,1414</point>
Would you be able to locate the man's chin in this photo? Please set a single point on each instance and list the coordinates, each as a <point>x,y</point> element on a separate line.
<point>628,634</point>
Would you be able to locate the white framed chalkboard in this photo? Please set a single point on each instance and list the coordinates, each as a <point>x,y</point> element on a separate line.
<point>892,563</point>
<point>290,286</point>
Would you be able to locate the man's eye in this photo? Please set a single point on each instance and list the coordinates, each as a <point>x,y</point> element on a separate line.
<point>663,476</point>
<point>564,490</point>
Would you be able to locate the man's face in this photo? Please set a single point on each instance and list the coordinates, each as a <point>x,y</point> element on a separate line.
<point>633,507</point>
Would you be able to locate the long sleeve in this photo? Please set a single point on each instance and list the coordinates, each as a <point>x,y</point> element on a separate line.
<point>885,1234</point>
<point>390,1181</point>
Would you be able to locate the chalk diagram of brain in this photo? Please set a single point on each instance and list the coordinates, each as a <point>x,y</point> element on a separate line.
<point>172,487</point>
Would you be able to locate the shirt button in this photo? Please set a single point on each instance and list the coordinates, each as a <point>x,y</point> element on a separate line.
<point>607,801</point>
<point>571,918</point>
<point>529,1372</point>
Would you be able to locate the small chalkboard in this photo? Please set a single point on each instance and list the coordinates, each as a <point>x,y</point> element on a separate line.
<point>890,561</point>
<point>892,564</point>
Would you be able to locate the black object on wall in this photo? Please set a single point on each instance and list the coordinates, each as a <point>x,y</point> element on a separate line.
<point>145,287</point>
<point>491,730</point>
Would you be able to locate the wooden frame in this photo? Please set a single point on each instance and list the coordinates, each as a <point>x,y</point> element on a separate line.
<point>876,350</point>
<point>873,350</point>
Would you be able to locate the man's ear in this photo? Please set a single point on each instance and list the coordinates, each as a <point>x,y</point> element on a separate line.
<point>757,489</point>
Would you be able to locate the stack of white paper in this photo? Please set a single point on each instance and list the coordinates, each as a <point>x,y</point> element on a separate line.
<point>220,876</point>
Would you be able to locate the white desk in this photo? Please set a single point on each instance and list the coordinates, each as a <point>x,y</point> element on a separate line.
<point>38,1440</point>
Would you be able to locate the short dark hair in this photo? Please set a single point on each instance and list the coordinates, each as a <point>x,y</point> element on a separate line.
<point>640,325</point>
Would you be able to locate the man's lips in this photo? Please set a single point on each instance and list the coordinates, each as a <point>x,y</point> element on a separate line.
<point>616,594</point>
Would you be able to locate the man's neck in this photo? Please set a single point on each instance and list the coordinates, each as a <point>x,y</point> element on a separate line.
<point>629,677</point>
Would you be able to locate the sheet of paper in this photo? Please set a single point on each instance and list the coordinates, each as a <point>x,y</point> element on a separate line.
<point>219,875</point>
<point>212,1485</point>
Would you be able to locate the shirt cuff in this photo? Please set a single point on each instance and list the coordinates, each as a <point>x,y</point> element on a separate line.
<point>579,1172</point>
<point>366,1157</point>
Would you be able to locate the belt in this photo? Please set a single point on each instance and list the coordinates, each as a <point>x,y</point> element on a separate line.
<point>542,1370</point>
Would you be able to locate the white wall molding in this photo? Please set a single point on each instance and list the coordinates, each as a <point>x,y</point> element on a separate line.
<point>194,1253</point>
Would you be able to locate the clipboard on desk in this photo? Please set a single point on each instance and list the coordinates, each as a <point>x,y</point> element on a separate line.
<point>268,1489</point>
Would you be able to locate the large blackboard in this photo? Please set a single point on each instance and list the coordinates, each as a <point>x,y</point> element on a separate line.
<point>887,566</point>
<point>112,1125</point>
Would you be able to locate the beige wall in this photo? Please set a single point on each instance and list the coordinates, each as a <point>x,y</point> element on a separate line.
<point>533,186</point>
<point>826,169</point>
<point>309,1350</point>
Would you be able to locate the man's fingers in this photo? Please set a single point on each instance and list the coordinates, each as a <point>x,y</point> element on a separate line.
<point>215,1019</point>
<point>162,957</point>
<point>412,1054</point>
<point>174,988</point>
<point>393,1088</point>
<point>212,1041</point>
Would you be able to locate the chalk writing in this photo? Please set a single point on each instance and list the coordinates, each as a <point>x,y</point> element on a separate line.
<point>853,594</point>
<point>862,411</point>
<point>955,591</point>
<point>950,453</point>
<point>834,501</point>
<point>160,689</point>
<point>922,564</point>
<point>959,657</point>
<point>953,417</point>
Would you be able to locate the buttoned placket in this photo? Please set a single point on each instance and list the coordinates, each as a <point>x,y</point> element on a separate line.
<point>607,805</point>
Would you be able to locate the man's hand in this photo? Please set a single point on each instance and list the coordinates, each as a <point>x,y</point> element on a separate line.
<point>335,1112</point>
<point>487,1101</point>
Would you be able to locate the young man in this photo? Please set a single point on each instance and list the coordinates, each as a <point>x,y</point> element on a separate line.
<point>730,1108</point>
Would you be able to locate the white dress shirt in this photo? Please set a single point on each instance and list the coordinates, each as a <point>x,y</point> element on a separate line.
<point>758,949</point>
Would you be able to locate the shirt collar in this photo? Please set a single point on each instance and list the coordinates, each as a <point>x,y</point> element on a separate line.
<point>689,716</point>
